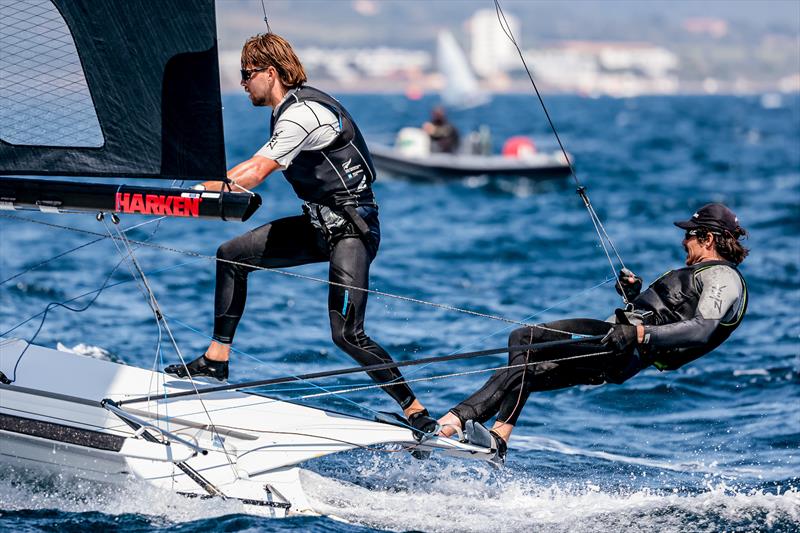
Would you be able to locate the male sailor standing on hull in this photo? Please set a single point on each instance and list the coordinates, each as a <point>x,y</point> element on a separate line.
<point>683,315</point>
<point>322,154</point>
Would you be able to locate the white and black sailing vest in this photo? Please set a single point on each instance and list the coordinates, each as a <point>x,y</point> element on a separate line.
<point>674,298</point>
<point>341,174</point>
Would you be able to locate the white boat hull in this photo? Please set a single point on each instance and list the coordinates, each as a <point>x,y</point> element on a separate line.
<point>52,420</point>
<point>441,166</point>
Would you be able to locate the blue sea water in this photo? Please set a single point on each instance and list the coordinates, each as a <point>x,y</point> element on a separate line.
<point>711,447</point>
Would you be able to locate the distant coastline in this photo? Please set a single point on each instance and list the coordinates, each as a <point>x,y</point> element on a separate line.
<point>687,88</point>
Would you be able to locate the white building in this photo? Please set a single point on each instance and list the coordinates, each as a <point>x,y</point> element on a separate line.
<point>348,65</point>
<point>617,69</point>
<point>491,51</point>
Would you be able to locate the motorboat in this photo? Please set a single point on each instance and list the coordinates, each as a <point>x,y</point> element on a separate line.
<point>443,166</point>
<point>412,157</point>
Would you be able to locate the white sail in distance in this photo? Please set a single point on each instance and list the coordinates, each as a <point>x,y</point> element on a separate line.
<point>461,89</point>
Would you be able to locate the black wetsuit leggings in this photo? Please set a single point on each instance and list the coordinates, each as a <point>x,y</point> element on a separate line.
<point>506,392</point>
<point>295,241</point>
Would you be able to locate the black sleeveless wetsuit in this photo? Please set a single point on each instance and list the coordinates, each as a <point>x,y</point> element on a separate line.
<point>337,178</point>
<point>676,332</point>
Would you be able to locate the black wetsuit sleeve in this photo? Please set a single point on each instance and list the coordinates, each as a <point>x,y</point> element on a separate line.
<point>685,334</point>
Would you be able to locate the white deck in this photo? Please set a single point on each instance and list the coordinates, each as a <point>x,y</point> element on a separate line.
<point>251,441</point>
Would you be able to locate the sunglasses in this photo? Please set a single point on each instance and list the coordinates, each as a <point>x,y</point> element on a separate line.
<point>247,73</point>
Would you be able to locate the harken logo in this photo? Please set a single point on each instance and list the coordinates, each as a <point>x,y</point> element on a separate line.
<point>156,204</point>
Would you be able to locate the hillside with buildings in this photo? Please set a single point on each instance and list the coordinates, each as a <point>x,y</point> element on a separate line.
<point>594,48</point>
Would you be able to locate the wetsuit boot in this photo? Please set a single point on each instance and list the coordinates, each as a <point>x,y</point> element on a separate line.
<point>421,424</point>
<point>424,426</point>
<point>478,435</point>
<point>200,367</point>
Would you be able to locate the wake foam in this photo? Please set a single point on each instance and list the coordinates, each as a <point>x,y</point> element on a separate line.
<point>23,491</point>
<point>434,496</point>
<point>481,499</point>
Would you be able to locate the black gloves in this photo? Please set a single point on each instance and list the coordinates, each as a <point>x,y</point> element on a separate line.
<point>628,284</point>
<point>620,338</point>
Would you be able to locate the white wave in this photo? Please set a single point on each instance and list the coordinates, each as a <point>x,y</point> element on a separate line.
<point>751,372</point>
<point>458,502</point>
<point>458,496</point>
<point>21,491</point>
<point>92,351</point>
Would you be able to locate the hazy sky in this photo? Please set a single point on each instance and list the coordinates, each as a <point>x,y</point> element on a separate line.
<point>413,23</point>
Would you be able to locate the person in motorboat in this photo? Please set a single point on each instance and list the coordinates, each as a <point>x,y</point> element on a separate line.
<point>683,315</point>
<point>319,148</point>
<point>444,136</point>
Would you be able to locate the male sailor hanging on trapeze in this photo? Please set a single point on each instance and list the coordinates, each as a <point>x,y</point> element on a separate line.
<point>683,315</point>
<point>319,148</point>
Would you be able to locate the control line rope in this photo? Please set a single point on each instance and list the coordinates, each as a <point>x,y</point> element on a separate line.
<point>419,368</point>
<point>370,368</point>
<point>602,234</point>
<point>339,392</point>
<point>452,375</point>
<point>128,255</point>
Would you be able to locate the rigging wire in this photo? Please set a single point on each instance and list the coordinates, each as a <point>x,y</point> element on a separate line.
<point>58,256</point>
<point>457,374</point>
<point>417,368</point>
<point>260,361</point>
<point>48,308</point>
<point>263,8</point>
<point>89,293</point>
<point>53,305</point>
<point>596,221</point>
<point>359,388</point>
<point>409,299</point>
<point>379,366</point>
<point>75,249</point>
<point>136,270</point>
<point>506,328</point>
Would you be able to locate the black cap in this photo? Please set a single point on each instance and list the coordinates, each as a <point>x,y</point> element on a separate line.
<point>715,217</point>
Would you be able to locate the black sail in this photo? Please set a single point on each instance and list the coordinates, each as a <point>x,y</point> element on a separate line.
<point>151,70</point>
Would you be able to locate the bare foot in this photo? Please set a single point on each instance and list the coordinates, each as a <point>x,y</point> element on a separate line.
<point>415,407</point>
<point>503,429</point>
<point>449,423</point>
<point>218,351</point>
